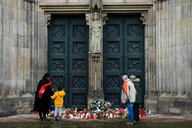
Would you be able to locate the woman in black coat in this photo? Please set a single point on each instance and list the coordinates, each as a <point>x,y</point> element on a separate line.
<point>42,96</point>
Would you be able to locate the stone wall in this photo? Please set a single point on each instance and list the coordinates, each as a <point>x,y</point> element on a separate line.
<point>172,91</point>
<point>23,52</point>
<point>168,62</point>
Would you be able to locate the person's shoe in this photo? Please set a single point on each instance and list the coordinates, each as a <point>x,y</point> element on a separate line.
<point>129,123</point>
<point>59,119</point>
<point>41,118</point>
<point>55,119</point>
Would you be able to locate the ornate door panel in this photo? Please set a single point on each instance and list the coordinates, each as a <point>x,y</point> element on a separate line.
<point>68,57</point>
<point>123,54</point>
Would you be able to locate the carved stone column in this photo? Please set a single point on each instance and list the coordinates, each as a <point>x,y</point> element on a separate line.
<point>95,77</point>
<point>95,19</point>
<point>150,59</point>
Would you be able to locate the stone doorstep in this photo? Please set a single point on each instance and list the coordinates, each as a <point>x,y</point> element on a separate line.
<point>24,110</point>
<point>174,110</point>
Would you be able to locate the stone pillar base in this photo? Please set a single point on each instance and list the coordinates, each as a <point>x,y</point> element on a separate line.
<point>16,105</point>
<point>94,95</point>
<point>168,103</point>
<point>151,103</point>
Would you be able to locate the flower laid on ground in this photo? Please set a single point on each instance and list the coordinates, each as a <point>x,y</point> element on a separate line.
<point>97,110</point>
<point>142,112</point>
<point>122,113</point>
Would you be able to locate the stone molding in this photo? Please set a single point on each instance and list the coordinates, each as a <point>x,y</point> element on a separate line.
<point>127,7</point>
<point>57,9</point>
<point>82,8</point>
<point>32,1</point>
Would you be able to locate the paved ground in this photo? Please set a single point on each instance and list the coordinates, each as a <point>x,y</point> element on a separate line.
<point>151,118</point>
<point>151,121</point>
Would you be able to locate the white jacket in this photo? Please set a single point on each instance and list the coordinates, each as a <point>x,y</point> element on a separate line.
<point>132,91</point>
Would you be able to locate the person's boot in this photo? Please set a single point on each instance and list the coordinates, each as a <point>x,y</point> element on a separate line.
<point>55,119</point>
<point>40,116</point>
<point>44,117</point>
<point>59,119</point>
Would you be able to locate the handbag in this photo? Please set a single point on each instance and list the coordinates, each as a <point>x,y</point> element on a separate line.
<point>124,97</point>
<point>42,89</point>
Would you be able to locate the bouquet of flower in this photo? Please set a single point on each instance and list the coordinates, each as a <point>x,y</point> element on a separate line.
<point>97,106</point>
<point>121,113</point>
<point>107,105</point>
<point>142,112</point>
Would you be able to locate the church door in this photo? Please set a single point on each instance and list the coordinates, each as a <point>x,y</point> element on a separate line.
<point>123,54</point>
<point>68,57</point>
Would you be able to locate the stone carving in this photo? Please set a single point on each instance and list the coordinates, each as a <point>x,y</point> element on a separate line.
<point>143,18</point>
<point>159,4</point>
<point>96,33</point>
<point>105,18</point>
<point>32,1</point>
<point>95,57</point>
<point>96,21</point>
<point>88,19</point>
<point>48,16</point>
<point>96,4</point>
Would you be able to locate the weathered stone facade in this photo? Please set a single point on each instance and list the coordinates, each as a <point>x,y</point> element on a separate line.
<point>168,30</point>
<point>23,38</point>
<point>172,58</point>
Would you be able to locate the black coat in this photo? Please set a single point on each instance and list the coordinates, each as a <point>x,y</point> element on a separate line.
<point>43,104</point>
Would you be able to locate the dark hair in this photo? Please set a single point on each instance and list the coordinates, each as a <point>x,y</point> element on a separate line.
<point>46,75</point>
<point>59,87</point>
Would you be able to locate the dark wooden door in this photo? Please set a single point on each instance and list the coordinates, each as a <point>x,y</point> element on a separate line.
<point>123,54</point>
<point>68,57</point>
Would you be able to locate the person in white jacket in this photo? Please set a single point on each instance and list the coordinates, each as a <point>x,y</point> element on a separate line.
<point>131,93</point>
